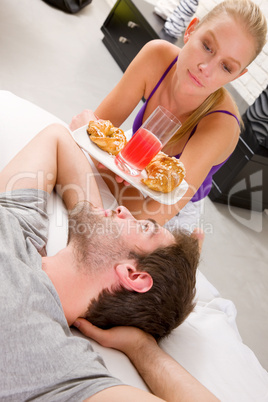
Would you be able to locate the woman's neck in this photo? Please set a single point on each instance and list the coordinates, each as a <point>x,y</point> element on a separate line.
<point>184,104</point>
<point>176,101</point>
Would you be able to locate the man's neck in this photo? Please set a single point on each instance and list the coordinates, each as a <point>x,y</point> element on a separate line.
<point>74,286</point>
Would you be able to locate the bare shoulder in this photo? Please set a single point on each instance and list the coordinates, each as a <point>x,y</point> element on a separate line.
<point>220,130</point>
<point>161,47</point>
<point>153,59</point>
<point>158,53</point>
<point>229,104</point>
<point>154,56</point>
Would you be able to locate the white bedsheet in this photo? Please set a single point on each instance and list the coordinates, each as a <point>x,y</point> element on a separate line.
<point>207,344</point>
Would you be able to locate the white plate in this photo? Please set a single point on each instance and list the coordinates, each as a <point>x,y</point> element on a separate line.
<point>82,139</point>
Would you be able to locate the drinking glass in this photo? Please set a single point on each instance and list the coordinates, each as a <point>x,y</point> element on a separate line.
<point>148,140</point>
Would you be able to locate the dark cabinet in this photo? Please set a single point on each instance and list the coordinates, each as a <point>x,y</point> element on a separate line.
<point>243,180</point>
<point>128,27</point>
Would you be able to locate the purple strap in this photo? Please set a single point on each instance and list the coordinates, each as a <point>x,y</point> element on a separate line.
<point>162,78</point>
<point>226,112</point>
<point>139,118</point>
<point>195,127</point>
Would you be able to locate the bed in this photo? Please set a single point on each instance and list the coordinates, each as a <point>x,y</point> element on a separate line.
<point>207,344</point>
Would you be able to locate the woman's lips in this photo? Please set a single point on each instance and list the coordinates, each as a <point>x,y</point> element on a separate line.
<point>195,79</point>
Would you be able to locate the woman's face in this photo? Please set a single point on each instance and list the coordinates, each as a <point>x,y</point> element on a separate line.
<point>214,54</point>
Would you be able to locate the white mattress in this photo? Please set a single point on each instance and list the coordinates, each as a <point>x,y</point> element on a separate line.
<point>207,344</point>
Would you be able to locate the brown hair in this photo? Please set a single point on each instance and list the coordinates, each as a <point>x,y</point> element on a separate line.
<point>250,15</point>
<point>166,304</point>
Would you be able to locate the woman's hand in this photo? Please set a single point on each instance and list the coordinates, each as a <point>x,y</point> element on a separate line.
<point>82,119</point>
<point>118,179</point>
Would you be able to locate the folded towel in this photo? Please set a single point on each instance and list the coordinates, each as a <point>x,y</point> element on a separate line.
<point>178,21</point>
<point>164,8</point>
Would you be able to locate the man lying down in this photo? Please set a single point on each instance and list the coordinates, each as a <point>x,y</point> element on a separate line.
<point>115,271</point>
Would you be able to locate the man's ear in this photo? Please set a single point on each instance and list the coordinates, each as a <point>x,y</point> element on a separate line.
<point>190,29</point>
<point>131,279</point>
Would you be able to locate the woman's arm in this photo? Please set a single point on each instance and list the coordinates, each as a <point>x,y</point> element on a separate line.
<point>165,377</point>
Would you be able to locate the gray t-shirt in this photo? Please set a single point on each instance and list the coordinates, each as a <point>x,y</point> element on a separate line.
<point>40,359</point>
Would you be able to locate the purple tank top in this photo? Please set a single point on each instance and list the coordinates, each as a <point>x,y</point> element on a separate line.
<point>138,119</point>
<point>205,187</point>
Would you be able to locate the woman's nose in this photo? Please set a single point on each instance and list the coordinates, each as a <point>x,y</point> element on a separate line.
<point>123,213</point>
<point>206,68</point>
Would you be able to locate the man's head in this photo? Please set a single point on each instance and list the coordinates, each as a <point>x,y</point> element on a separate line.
<point>156,271</point>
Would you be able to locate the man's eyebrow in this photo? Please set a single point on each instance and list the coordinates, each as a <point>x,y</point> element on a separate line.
<point>217,45</point>
<point>156,225</point>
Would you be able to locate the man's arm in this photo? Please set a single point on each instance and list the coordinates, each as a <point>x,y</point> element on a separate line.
<point>164,376</point>
<point>50,159</point>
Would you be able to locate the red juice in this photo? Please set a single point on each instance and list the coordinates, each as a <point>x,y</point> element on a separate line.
<point>141,149</point>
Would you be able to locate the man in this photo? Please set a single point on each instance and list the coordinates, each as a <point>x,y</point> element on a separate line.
<point>42,296</point>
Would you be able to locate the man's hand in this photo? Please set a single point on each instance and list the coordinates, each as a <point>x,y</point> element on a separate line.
<point>163,375</point>
<point>82,119</point>
<point>125,339</point>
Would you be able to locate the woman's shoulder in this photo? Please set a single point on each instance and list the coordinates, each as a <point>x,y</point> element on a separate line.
<point>162,44</point>
<point>152,61</point>
<point>161,50</point>
<point>221,126</point>
<point>154,57</point>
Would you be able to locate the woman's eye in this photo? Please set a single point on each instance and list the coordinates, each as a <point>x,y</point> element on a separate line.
<point>206,47</point>
<point>226,68</point>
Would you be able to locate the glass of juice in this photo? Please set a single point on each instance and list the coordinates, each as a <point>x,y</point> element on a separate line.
<point>148,140</point>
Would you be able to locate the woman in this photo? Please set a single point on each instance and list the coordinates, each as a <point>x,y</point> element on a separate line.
<point>190,83</point>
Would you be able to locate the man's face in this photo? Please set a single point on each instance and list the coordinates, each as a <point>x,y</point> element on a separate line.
<point>140,235</point>
<point>105,234</point>
<point>114,232</point>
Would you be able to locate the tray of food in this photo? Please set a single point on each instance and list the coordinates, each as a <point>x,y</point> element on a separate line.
<point>161,175</point>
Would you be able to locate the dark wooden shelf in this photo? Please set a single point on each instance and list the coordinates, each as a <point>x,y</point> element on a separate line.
<point>129,26</point>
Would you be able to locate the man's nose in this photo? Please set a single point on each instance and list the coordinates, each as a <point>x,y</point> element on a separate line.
<point>123,213</point>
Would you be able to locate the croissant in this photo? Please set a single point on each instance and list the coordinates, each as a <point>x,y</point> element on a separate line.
<point>164,173</point>
<point>107,137</point>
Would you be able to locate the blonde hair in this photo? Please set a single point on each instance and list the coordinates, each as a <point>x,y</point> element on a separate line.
<point>250,15</point>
